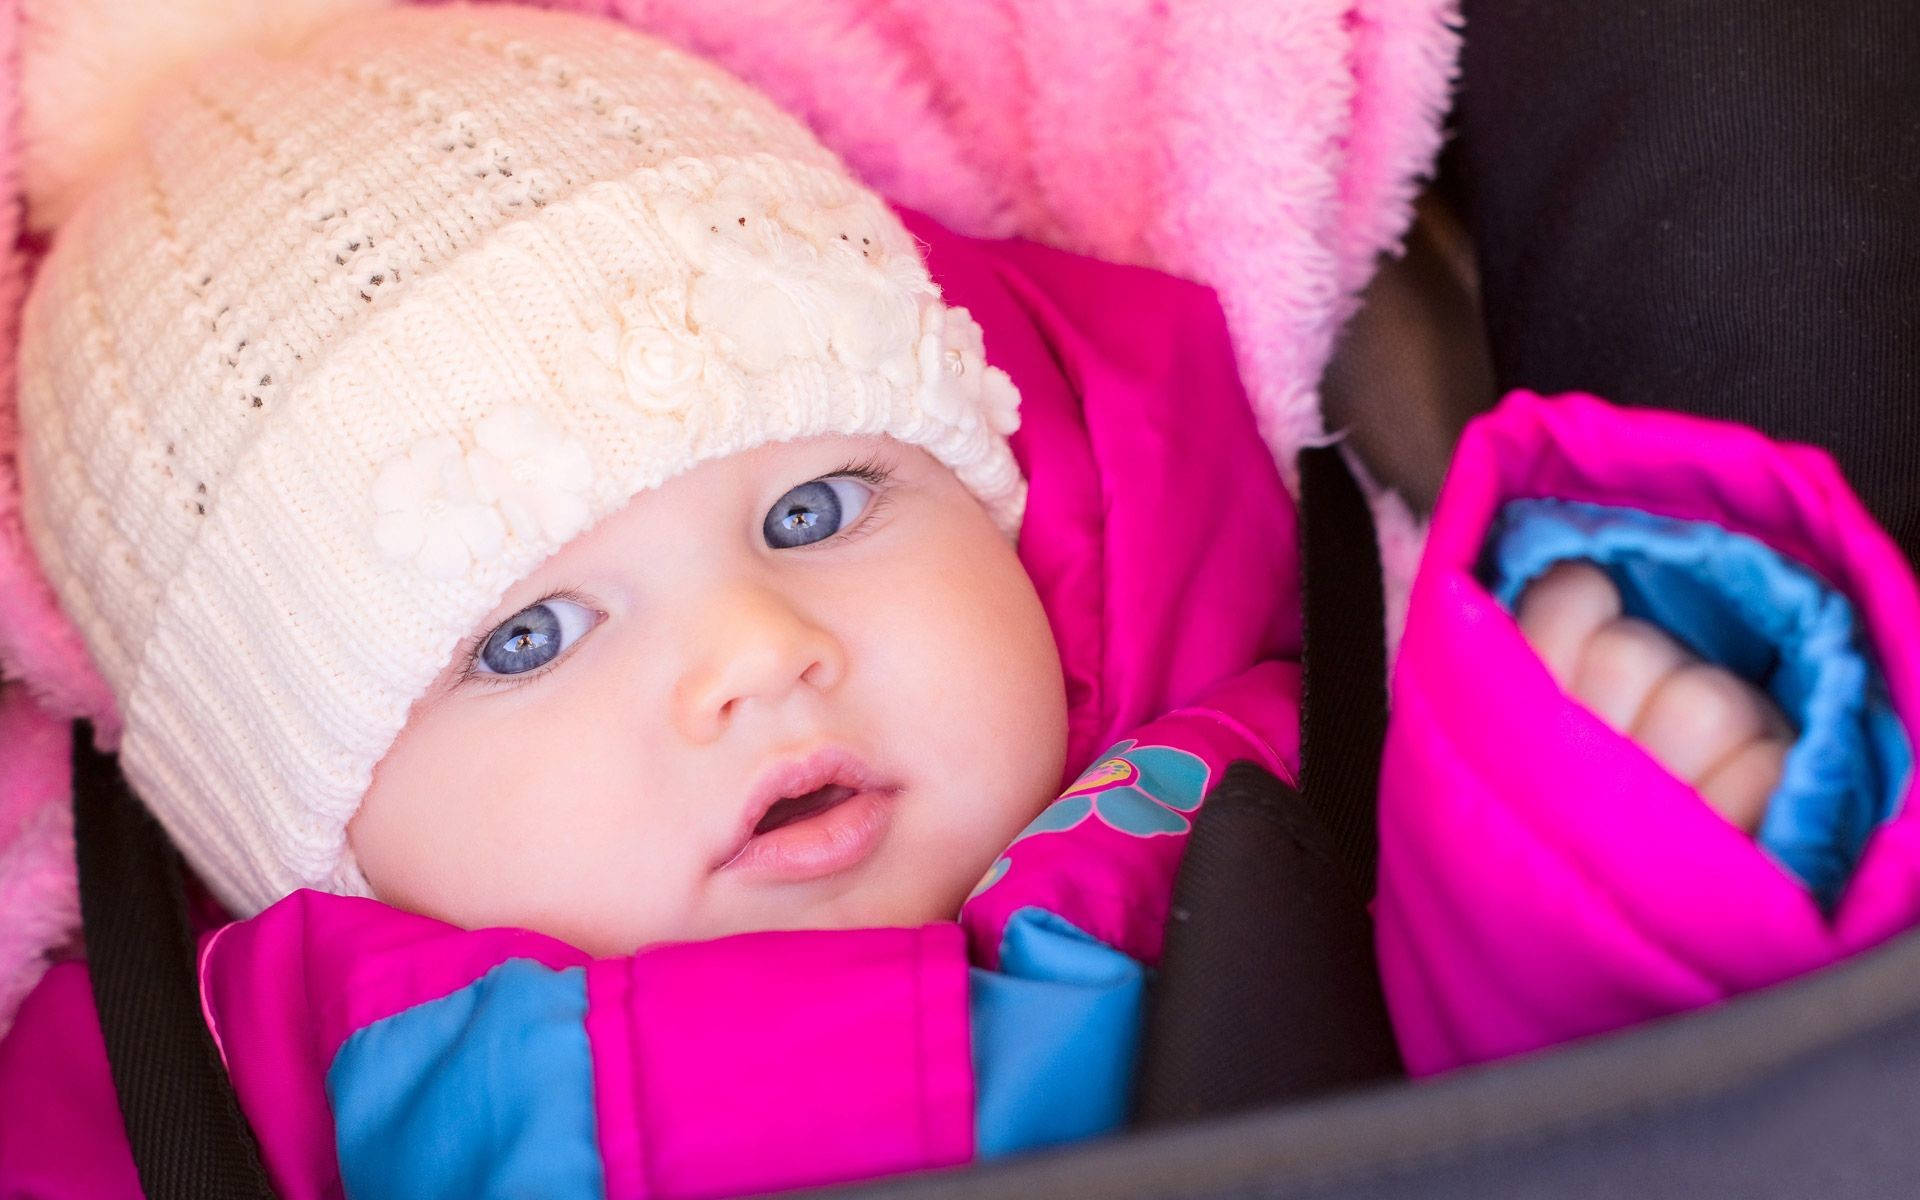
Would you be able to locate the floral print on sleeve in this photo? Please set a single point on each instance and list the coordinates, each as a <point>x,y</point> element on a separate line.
<point>1143,791</point>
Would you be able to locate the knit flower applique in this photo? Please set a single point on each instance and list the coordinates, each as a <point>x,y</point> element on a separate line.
<point>443,507</point>
<point>763,308</point>
<point>429,513</point>
<point>873,318</point>
<point>956,384</point>
<point>1142,791</point>
<point>750,287</point>
<point>652,349</point>
<point>779,278</point>
<point>879,288</point>
<point>533,475</point>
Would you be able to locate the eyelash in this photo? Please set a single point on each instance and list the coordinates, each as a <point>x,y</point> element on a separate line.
<point>870,470</point>
<point>470,648</point>
<point>876,475</point>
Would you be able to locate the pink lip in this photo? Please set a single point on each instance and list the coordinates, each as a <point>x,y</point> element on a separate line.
<point>825,843</point>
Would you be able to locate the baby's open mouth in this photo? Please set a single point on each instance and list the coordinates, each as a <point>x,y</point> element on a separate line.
<point>811,817</point>
<point>790,809</point>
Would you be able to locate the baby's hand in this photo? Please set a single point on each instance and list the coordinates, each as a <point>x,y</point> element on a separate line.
<point>1705,724</point>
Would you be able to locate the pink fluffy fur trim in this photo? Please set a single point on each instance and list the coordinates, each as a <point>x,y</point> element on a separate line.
<point>38,893</point>
<point>1268,150</point>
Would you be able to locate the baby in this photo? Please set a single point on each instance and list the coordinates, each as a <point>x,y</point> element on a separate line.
<point>509,471</point>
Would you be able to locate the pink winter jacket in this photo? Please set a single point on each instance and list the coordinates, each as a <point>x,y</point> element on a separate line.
<point>1161,541</point>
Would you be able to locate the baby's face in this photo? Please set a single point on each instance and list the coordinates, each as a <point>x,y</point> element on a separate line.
<point>806,686</point>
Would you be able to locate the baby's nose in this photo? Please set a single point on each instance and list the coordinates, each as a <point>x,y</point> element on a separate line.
<point>755,648</point>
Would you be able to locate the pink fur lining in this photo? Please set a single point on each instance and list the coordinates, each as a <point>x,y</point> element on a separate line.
<point>1270,151</point>
<point>38,892</point>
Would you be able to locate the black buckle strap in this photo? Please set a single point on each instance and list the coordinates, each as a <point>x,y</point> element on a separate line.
<point>1268,989</point>
<point>184,1124</point>
<point>1343,703</point>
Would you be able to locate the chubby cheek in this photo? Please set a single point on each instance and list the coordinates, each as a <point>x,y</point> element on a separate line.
<point>987,711</point>
<point>496,813</point>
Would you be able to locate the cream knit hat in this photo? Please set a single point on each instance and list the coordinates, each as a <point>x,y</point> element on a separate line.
<point>353,338</point>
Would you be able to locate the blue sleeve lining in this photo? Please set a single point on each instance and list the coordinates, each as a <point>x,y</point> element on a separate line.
<point>1736,602</point>
<point>1056,1036</point>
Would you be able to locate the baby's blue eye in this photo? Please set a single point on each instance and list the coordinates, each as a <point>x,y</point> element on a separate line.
<point>815,511</point>
<point>532,638</point>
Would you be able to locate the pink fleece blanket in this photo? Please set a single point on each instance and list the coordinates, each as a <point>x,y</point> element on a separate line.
<point>1269,150</point>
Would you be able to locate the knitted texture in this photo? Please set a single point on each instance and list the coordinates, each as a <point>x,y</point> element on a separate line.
<point>356,338</point>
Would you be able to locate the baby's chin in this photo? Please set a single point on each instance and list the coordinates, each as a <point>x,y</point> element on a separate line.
<point>855,904</point>
<point>859,909</point>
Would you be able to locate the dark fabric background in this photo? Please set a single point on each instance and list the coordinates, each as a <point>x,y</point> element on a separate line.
<point>1710,206</point>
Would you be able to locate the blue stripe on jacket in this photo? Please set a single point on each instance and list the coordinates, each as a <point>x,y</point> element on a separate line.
<point>487,1091</point>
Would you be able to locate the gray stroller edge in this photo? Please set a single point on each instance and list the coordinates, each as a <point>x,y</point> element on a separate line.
<point>1807,1089</point>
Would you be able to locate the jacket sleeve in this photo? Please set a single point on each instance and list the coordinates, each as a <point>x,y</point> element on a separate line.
<point>1738,603</point>
<point>1068,923</point>
<point>1541,877</point>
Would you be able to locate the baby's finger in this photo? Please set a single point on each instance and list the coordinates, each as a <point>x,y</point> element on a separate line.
<point>1561,610</point>
<point>1699,716</point>
<point>1739,788</point>
<point>1623,663</point>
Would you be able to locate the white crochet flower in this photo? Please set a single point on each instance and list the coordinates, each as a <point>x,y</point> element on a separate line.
<point>956,384</point>
<point>757,288</point>
<point>536,478</point>
<point>731,214</point>
<point>872,323</point>
<point>1000,402</point>
<point>429,513</point>
<point>659,357</point>
<point>761,310</point>
<point>642,354</point>
<point>781,277</point>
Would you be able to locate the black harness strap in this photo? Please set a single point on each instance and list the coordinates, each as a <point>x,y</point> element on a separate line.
<point>1268,990</point>
<point>1343,706</point>
<point>184,1125</point>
